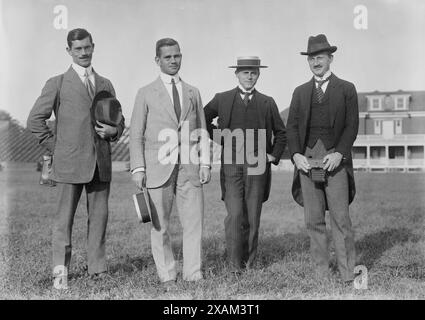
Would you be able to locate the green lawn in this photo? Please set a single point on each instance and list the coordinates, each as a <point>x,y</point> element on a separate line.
<point>387,214</point>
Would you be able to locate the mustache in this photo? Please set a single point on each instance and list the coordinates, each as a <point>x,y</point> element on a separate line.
<point>317,67</point>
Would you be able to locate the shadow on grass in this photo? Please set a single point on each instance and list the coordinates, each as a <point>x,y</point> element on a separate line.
<point>371,247</point>
<point>271,249</point>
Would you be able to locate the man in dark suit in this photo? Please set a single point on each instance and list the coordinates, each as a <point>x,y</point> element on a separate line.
<point>81,154</point>
<point>322,124</point>
<point>253,119</point>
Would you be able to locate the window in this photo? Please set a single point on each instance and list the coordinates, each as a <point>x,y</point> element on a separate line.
<point>375,104</point>
<point>377,126</point>
<point>400,103</point>
<point>398,126</point>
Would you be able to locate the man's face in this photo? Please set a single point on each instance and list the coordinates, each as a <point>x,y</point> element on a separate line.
<point>169,59</point>
<point>81,52</point>
<point>319,63</point>
<point>248,77</point>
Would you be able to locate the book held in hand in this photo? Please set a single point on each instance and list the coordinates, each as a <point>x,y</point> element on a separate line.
<point>142,204</point>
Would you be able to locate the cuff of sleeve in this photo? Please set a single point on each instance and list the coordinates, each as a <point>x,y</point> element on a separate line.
<point>140,169</point>
<point>205,166</point>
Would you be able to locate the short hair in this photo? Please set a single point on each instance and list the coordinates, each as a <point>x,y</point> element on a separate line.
<point>77,34</point>
<point>165,42</point>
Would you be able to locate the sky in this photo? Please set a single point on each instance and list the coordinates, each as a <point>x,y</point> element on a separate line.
<point>386,54</point>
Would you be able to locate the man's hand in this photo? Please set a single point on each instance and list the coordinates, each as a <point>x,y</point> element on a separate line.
<point>139,179</point>
<point>332,161</point>
<point>104,130</point>
<point>301,162</point>
<point>204,175</point>
<point>270,158</point>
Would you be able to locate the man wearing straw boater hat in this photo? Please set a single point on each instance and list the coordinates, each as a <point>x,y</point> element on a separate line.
<point>252,119</point>
<point>322,126</point>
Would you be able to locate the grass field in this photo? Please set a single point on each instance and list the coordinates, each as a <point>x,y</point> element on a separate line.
<point>387,214</point>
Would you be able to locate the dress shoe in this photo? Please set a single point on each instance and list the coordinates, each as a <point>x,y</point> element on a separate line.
<point>169,285</point>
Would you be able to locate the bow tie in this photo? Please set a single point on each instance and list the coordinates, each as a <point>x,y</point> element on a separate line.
<point>245,92</point>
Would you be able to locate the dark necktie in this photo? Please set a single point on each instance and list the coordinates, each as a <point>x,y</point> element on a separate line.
<point>89,85</point>
<point>176,100</point>
<point>319,90</point>
<point>246,96</point>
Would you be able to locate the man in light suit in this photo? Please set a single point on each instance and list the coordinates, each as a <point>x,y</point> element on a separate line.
<point>245,174</point>
<point>322,124</point>
<point>171,108</point>
<point>81,154</point>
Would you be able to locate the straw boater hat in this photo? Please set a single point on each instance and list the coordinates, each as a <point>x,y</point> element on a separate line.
<point>318,44</point>
<point>106,108</point>
<point>248,62</point>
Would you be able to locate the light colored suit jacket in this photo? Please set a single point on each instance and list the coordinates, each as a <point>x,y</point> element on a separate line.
<point>77,148</point>
<point>153,119</point>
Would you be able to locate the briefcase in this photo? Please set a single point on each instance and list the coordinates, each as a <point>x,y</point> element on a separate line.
<point>317,173</point>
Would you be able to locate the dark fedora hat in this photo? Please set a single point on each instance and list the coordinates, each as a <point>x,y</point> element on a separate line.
<point>318,44</point>
<point>106,108</point>
<point>248,62</point>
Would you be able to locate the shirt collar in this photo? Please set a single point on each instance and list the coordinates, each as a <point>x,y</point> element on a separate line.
<point>244,91</point>
<point>166,78</point>
<point>81,71</point>
<point>325,76</point>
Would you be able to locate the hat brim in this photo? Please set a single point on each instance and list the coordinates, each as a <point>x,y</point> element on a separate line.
<point>331,49</point>
<point>248,66</point>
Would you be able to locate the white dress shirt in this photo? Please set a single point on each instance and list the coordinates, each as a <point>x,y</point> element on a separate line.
<point>325,84</point>
<point>166,79</point>
<point>251,92</point>
<point>81,71</point>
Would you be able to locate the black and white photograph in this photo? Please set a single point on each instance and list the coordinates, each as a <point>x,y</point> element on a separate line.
<point>224,151</point>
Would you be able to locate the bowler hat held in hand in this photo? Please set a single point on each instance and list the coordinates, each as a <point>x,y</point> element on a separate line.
<point>106,109</point>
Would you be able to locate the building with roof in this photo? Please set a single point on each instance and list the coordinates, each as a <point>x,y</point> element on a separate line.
<point>391,131</point>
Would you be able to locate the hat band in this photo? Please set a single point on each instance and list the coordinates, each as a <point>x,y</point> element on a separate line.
<point>249,62</point>
<point>319,46</point>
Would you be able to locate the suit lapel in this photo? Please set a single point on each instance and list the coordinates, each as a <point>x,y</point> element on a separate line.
<point>71,77</point>
<point>165,100</point>
<point>99,82</point>
<point>259,103</point>
<point>187,95</point>
<point>306,100</point>
<point>333,87</point>
<point>228,101</point>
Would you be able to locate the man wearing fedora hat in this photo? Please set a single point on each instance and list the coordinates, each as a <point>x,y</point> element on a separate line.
<point>244,112</point>
<point>81,152</point>
<point>322,125</point>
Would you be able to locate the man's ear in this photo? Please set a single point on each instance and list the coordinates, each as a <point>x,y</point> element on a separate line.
<point>157,60</point>
<point>68,50</point>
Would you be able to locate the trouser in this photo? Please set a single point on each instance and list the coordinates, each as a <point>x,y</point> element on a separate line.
<point>334,193</point>
<point>190,206</point>
<point>97,194</point>
<point>243,198</point>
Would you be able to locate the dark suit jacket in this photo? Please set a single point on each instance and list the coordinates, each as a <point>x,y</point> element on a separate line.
<point>76,148</point>
<point>269,118</point>
<point>344,118</point>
